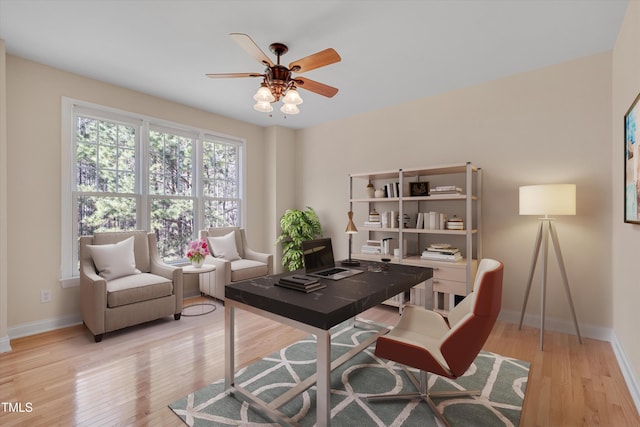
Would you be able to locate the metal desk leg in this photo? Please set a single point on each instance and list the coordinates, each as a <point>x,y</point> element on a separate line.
<point>229,350</point>
<point>323,385</point>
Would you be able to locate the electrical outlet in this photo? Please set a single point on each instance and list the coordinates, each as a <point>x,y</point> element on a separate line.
<point>45,295</point>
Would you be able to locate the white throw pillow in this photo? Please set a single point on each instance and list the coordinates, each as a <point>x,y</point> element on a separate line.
<point>224,247</point>
<point>114,260</point>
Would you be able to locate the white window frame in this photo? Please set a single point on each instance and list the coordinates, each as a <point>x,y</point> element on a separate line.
<point>69,275</point>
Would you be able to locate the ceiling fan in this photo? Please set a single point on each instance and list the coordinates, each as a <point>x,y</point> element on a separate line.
<point>277,80</point>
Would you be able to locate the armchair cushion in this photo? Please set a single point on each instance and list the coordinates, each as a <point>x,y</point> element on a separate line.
<point>243,269</point>
<point>225,246</point>
<point>141,287</point>
<point>114,260</point>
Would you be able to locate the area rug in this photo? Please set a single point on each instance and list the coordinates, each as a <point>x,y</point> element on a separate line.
<point>501,380</point>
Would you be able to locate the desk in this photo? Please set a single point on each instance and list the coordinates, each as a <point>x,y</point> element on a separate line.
<point>315,313</point>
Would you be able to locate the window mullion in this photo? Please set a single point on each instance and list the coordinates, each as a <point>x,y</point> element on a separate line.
<point>142,179</point>
<point>197,188</point>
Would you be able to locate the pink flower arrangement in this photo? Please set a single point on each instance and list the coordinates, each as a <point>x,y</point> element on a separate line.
<point>197,250</point>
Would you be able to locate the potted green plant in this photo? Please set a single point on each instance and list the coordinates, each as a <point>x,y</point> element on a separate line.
<point>297,226</point>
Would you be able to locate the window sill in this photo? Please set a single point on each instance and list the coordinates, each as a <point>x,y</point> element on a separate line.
<point>69,282</point>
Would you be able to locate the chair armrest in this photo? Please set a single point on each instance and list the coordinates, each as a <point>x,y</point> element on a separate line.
<point>93,299</point>
<point>223,269</point>
<point>260,256</point>
<point>167,271</point>
<point>172,273</point>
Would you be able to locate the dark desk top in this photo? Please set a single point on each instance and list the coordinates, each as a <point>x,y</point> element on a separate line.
<point>339,301</point>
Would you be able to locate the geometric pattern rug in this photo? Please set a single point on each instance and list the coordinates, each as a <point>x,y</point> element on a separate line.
<point>501,380</point>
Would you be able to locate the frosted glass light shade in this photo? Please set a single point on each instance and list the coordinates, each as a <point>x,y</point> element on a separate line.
<point>292,97</point>
<point>263,107</point>
<point>264,95</point>
<point>289,109</point>
<point>550,199</point>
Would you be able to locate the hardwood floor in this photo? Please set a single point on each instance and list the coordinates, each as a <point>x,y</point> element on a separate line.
<point>64,378</point>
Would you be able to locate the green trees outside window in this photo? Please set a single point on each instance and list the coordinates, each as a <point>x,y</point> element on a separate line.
<point>141,176</point>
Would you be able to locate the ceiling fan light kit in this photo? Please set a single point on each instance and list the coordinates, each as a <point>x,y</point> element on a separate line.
<point>277,81</point>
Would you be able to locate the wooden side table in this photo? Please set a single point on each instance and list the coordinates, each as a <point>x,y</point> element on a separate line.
<point>207,284</point>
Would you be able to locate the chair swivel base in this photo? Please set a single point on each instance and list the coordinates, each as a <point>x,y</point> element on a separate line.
<point>423,394</point>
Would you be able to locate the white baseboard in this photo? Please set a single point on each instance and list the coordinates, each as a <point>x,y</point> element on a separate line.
<point>558,325</point>
<point>47,325</point>
<point>627,371</point>
<point>5,345</point>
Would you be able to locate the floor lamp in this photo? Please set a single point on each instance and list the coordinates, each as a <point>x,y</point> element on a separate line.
<point>551,199</point>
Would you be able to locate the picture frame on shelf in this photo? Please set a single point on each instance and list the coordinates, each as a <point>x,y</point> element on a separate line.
<point>632,164</point>
<point>420,188</point>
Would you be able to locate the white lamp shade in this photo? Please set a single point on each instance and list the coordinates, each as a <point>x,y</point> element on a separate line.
<point>292,97</point>
<point>550,199</point>
<point>290,109</point>
<point>263,107</point>
<point>264,95</point>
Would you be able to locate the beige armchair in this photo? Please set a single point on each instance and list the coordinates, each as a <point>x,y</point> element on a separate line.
<point>119,288</point>
<point>233,259</point>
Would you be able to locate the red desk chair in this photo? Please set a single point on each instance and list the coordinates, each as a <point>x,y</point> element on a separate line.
<point>424,340</point>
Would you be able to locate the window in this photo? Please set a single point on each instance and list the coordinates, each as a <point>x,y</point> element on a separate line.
<point>129,172</point>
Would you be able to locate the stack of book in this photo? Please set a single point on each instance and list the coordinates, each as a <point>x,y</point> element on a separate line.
<point>372,224</point>
<point>441,252</point>
<point>445,189</point>
<point>300,283</point>
<point>372,247</point>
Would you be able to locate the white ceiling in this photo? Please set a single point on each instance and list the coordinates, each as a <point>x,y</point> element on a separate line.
<point>392,51</point>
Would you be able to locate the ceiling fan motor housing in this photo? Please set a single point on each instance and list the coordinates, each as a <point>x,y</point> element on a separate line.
<point>278,78</point>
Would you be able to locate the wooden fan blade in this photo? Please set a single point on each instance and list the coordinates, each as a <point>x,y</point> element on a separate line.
<point>317,60</point>
<point>251,48</point>
<point>233,75</point>
<point>317,87</point>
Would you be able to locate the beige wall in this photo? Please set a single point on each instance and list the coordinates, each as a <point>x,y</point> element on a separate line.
<point>4,337</point>
<point>34,94</point>
<point>551,125</point>
<point>626,237</point>
<point>281,149</point>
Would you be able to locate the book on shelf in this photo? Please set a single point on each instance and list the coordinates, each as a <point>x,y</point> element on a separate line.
<point>373,224</point>
<point>431,220</point>
<point>371,247</point>
<point>443,221</point>
<point>435,256</point>
<point>370,250</point>
<point>446,251</point>
<point>446,189</point>
<point>392,189</point>
<point>389,219</point>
